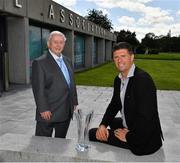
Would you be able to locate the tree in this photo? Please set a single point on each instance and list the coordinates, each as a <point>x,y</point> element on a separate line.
<point>141,49</point>
<point>169,44</point>
<point>127,36</point>
<point>97,17</point>
<point>150,41</point>
<point>161,43</point>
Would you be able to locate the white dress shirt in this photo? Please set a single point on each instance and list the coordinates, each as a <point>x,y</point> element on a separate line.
<point>123,87</point>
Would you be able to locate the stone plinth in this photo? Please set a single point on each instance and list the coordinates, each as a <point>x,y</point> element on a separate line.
<point>15,147</point>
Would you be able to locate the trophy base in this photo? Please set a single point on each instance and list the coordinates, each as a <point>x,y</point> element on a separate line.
<point>82,147</point>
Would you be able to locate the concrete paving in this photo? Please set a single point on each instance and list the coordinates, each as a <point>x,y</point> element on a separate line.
<point>17,112</point>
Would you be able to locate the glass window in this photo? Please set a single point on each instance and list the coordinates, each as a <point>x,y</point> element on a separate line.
<point>106,50</point>
<point>34,43</point>
<point>79,51</point>
<point>95,55</point>
<point>45,35</point>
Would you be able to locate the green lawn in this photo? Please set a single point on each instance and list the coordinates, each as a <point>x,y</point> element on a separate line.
<point>166,73</point>
<point>161,56</point>
<point>100,76</point>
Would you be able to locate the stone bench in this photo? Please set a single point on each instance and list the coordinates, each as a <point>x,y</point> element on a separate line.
<point>16,147</point>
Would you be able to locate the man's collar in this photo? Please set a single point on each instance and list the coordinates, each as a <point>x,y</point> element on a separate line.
<point>130,73</point>
<point>55,56</point>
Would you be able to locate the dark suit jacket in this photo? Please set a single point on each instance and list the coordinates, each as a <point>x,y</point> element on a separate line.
<point>51,92</point>
<point>141,113</point>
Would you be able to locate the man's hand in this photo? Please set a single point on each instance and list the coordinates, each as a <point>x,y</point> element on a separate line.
<point>75,107</point>
<point>102,133</point>
<point>46,115</point>
<point>121,134</point>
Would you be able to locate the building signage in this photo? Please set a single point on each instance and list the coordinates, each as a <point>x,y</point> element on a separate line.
<point>17,4</point>
<point>68,17</point>
<point>75,20</point>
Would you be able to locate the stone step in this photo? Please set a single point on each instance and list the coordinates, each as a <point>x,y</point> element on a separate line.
<point>24,148</point>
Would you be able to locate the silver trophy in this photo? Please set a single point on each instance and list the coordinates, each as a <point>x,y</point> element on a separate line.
<point>83,123</point>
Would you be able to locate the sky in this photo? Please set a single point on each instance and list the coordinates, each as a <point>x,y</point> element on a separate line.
<point>140,16</point>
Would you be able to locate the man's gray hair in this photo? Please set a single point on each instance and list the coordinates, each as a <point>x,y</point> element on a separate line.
<point>56,33</point>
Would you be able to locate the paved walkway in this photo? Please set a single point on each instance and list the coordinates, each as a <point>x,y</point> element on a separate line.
<point>17,112</point>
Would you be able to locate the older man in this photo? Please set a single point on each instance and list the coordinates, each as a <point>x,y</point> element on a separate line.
<point>134,96</point>
<point>54,89</point>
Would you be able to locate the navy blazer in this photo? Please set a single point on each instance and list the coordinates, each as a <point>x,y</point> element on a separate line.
<point>141,113</point>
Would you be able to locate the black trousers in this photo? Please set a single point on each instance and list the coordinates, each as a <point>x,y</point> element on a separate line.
<point>112,140</point>
<point>46,128</point>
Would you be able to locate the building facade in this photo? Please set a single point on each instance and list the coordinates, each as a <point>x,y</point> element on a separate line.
<point>25,26</point>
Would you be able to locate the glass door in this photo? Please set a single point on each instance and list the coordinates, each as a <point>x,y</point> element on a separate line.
<point>34,44</point>
<point>2,52</point>
<point>37,43</point>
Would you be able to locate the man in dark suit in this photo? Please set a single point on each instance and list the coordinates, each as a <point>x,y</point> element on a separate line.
<point>138,128</point>
<point>54,89</point>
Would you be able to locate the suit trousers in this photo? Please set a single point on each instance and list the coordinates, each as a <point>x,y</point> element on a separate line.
<point>0,87</point>
<point>46,128</point>
<point>112,140</point>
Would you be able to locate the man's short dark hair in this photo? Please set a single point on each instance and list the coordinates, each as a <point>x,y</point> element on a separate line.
<point>122,45</point>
